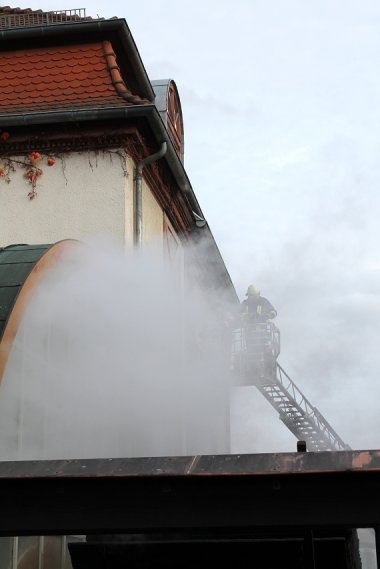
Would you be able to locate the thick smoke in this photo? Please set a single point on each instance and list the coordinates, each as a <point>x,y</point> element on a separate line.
<point>114,359</point>
<point>321,271</point>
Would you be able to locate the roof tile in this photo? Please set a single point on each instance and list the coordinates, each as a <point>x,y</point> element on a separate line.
<point>76,76</point>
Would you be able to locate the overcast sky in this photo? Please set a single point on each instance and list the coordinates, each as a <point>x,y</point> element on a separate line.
<point>281,104</point>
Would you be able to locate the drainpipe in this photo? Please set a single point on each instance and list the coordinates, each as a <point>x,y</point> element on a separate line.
<point>137,237</point>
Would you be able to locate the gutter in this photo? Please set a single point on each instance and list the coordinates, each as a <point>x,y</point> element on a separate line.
<point>103,27</point>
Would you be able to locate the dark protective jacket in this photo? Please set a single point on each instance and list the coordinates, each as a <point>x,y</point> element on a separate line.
<point>258,308</point>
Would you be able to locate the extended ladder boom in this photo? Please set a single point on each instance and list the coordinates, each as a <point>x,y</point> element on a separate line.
<point>255,352</point>
<point>299,415</point>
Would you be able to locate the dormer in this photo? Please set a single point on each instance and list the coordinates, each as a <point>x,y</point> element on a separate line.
<point>169,106</point>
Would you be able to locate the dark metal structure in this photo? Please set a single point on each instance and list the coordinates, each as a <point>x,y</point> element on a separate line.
<point>168,105</point>
<point>21,269</point>
<point>16,263</point>
<point>255,351</point>
<point>285,510</point>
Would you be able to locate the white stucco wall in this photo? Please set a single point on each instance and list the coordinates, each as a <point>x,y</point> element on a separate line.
<point>84,195</point>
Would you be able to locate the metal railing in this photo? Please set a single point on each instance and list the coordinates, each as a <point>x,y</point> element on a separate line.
<point>298,399</point>
<point>40,18</point>
<point>254,342</point>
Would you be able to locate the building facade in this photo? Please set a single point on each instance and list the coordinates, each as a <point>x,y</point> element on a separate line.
<point>90,148</point>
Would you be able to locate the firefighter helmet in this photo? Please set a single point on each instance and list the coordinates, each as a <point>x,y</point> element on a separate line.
<point>252,291</point>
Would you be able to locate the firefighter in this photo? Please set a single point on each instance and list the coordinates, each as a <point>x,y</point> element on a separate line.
<point>256,307</point>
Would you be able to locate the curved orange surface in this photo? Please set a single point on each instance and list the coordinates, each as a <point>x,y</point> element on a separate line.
<point>52,256</point>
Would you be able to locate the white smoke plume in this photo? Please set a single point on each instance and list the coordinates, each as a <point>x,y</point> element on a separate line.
<point>113,359</point>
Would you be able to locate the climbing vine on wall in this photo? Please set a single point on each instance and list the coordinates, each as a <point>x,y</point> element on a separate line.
<point>34,162</point>
<point>32,165</point>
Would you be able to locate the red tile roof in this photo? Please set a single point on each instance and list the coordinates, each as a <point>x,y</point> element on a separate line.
<point>53,78</point>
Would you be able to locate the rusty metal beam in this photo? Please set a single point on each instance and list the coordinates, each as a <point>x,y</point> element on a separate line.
<point>238,493</point>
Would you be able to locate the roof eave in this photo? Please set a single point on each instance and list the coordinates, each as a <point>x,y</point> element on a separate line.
<point>152,115</point>
<point>149,112</point>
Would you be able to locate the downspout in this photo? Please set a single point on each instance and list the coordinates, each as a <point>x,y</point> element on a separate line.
<point>137,234</point>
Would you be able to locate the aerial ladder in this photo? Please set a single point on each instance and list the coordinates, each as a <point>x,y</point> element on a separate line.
<point>256,347</point>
